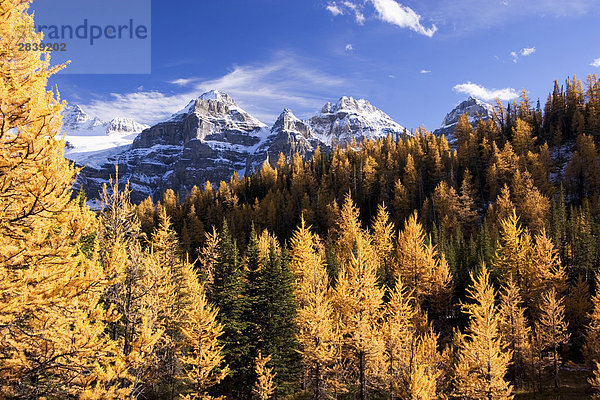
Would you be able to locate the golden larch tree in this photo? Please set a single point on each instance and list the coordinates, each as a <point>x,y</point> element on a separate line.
<point>482,361</point>
<point>317,331</point>
<point>200,353</point>
<point>551,329</point>
<point>383,244</point>
<point>358,300</point>
<point>264,387</point>
<point>411,358</point>
<point>592,333</point>
<point>514,330</point>
<point>52,341</point>
<point>419,266</point>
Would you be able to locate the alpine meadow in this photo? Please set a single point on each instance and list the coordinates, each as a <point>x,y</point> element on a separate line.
<point>299,261</point>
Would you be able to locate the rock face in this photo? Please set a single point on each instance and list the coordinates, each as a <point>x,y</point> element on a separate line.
<point>212,137</point>
<point>289,135</point>
<point>473,107</point>
<point>207,140</point>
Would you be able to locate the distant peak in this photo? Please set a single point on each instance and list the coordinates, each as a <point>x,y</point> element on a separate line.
<point>216,95</point>
<point>287,113</point>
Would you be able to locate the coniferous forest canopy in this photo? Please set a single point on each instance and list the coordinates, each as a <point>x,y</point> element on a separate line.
<point>398,268</point>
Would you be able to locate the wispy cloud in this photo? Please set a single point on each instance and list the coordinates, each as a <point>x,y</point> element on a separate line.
<point>425,71</point>
<point>182,81</point>
<point>459,17</point>
<point>483,93</point>
<point>524,52</point>
<point>261,89</point>
<point>334,9</point>
<point>388,11</point>
<point>595,63</point>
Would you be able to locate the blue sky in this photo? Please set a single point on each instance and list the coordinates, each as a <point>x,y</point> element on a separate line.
<point>413,59</point>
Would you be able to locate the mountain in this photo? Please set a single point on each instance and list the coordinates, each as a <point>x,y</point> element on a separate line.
<point>473,107</point>
<point>89,140</point>
<point>212,137</point>
<point>347,119</point>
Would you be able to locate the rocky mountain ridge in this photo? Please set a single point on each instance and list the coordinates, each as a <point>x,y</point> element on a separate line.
<point>212,137</point>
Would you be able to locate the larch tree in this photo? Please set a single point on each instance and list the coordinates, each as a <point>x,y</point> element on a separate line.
<point>358,300</point>
<point>317,331</point>
<point>515,331</point>
<point>138,286</point>
<point>411,358</point>
<point>482,361</point>
<point>382,237</point>
<point>200,352</point>
<point>551,329</point>
<point>264,387</point>
<point>347,229</point>
<point>592,333</point>
<point>52,341</point>
<point>419,266</point>
<point>514,251</point>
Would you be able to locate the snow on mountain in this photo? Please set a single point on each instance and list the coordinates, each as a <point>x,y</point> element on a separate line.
<point>212,137</point>
<point>474,108</point>
<point>90,141</point>
<point>350,118</point>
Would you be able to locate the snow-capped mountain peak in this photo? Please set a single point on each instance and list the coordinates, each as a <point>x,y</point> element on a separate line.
<point>216,95</point>
<point>124,125</point>
<point>473,107</point>
<point>212,137</point>
<point>351,118</point>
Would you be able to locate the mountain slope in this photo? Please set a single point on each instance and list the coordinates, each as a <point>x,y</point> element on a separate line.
<point>212,137</point>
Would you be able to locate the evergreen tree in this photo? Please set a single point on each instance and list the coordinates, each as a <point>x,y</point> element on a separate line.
<point>274,314</point>
<point>228,294</point>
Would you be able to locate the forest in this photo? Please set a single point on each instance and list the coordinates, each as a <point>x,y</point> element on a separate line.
<point>398,268</point>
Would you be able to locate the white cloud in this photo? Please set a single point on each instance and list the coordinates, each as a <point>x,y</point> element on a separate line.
<point>527,51</point>
<point>334,9</point>
<point>425,71</point>
<point>261,89</point>
<point>356,10</point>
<point>386,10</point>
<point>349,47</point>
<point>402,16</point>
<point>595,63</point>
<point>182,81</point>
<point>480,92</point>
